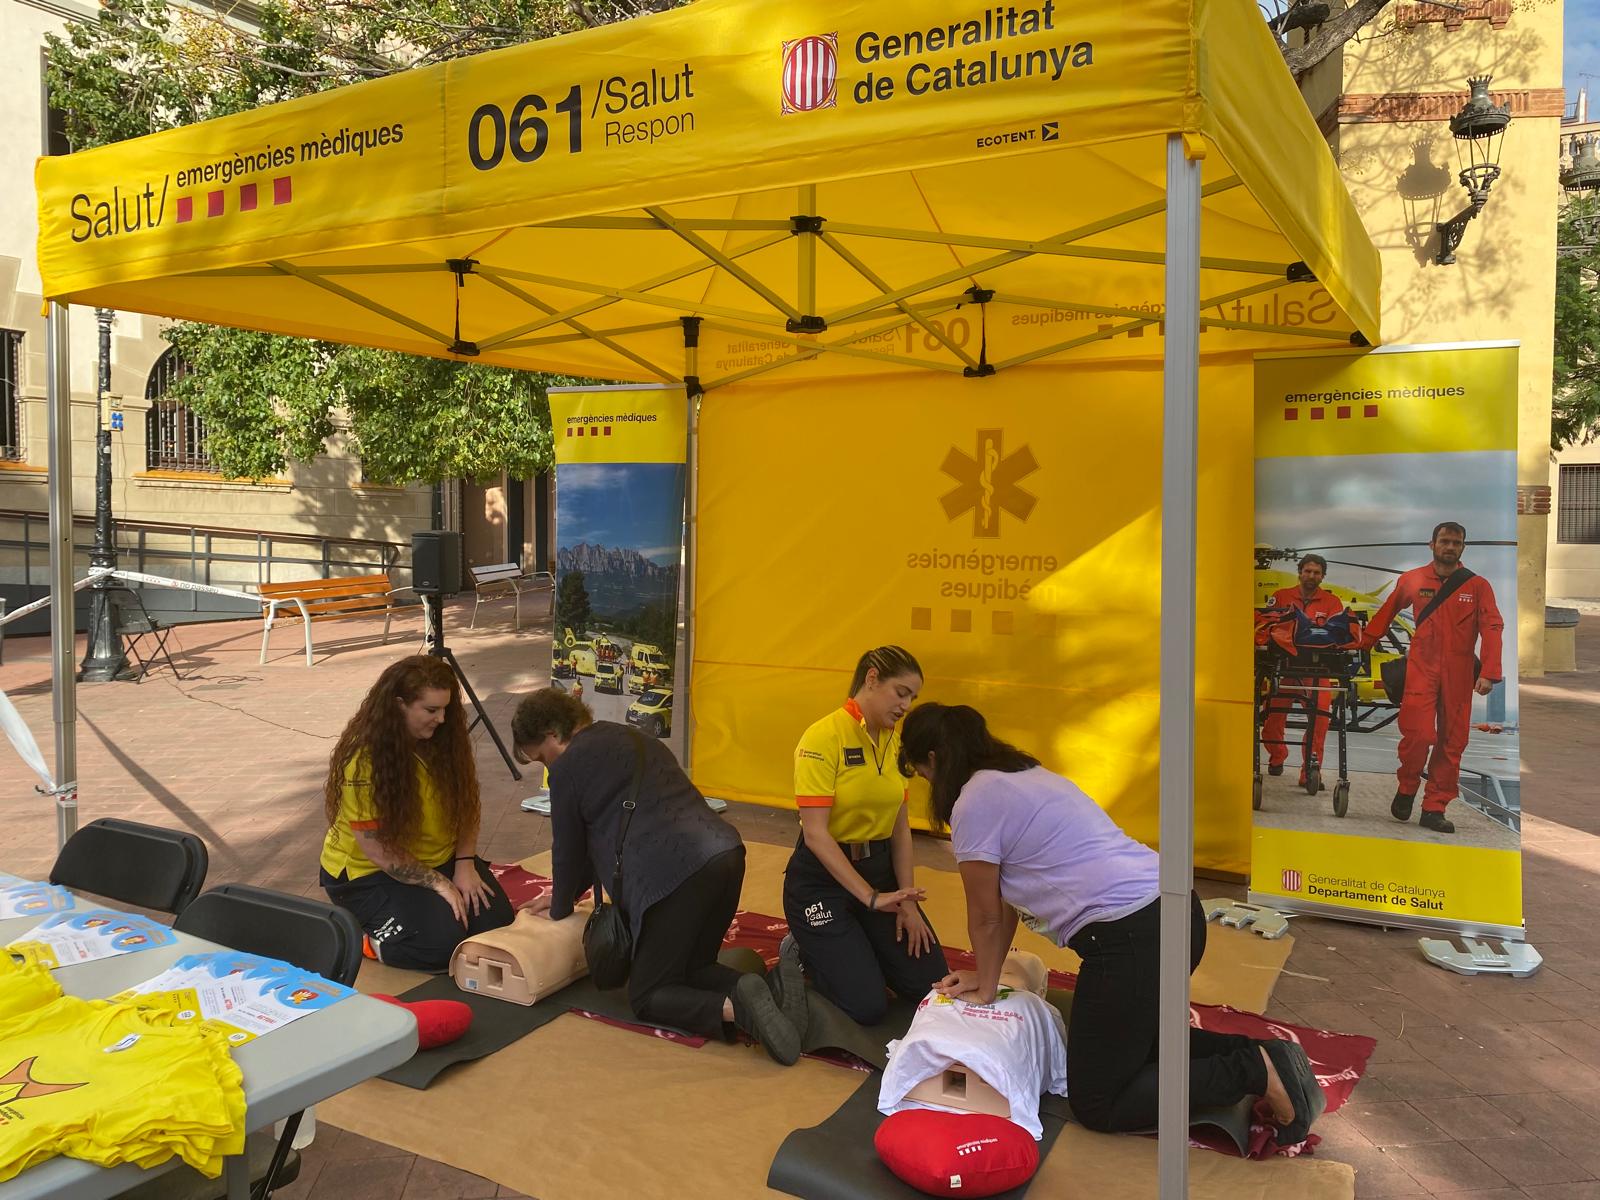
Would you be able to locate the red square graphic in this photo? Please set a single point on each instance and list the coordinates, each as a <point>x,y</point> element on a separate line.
<point>282,190</point>
<point>214,204</point>
<point>185,209</point>
<point>1371,410</point>
<point>1318,414</point>
<point>1344,412</point>
<point>608,430</point>
<point>247,197</point>
<point>1291,414</point>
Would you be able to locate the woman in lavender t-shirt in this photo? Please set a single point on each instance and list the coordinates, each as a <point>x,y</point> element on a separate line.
<point>1034,849</point>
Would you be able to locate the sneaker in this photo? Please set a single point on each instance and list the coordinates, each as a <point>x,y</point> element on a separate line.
<point>757,1014</point>
<point>1436,821</point>
<point>1400,809</point>
<point>1300,1081</point>
<point>1274,768</point>
<point>788,984</point>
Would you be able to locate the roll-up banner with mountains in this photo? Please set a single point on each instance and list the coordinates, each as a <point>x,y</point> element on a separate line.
<point>620,476</point>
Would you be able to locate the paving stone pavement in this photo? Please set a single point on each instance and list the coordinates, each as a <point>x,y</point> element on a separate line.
<point>1479,1086</point>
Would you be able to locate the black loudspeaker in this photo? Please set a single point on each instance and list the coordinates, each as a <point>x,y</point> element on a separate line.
<point>436,562</point>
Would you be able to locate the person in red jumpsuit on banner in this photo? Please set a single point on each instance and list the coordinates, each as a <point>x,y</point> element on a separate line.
<point>1442,673</point>
<point>1310,599</point>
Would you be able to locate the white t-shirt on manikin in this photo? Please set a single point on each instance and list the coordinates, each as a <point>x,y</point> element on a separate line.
<point>1017,1045</point>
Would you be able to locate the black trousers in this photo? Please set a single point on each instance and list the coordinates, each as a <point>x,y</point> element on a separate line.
<point>410,926</point>
<point>1112,1040</point>
<point>850,950</point>
<point>675,978</point>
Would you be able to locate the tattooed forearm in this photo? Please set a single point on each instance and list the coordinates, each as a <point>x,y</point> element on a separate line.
<point>409,870</point>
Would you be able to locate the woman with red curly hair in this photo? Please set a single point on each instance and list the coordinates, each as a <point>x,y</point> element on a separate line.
<point>402,804</point>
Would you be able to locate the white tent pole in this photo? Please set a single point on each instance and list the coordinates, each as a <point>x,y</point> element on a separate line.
<point>1179,472</point>
<point>62,621</point>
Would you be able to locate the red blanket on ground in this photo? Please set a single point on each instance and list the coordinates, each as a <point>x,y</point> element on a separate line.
<point>1338,1058</point>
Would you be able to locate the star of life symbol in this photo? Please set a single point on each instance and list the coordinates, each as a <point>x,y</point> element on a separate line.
<point>988,483</point>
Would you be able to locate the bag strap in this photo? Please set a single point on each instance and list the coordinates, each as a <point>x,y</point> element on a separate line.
<point>1458,577</point>
<point>628,807</point>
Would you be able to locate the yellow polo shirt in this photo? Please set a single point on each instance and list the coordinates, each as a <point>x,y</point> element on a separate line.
<point>836,766</point>
<point>433,845</point>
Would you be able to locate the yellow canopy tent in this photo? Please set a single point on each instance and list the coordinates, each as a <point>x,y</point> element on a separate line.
<point>749,189</point>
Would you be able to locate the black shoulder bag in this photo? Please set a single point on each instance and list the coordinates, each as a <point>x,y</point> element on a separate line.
<point>1393,672</point>
<point>607,939</point>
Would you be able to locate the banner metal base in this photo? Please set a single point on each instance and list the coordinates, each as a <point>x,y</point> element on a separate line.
<point>1478,956</point>
<point>1268,923</point>
<point>1389,920</point>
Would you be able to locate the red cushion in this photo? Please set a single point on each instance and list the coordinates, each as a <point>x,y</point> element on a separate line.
<point>439,1022</point>
<point>956,1154</point>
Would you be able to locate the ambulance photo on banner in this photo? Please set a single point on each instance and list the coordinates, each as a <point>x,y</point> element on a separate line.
<point>620,475</point>
<point>1386,781</point>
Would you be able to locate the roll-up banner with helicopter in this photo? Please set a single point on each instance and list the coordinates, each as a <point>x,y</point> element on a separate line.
<point>1386,781</point>
<point>620,474</point>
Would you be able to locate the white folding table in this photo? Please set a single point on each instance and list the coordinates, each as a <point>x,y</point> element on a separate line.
<point>290,1069</point>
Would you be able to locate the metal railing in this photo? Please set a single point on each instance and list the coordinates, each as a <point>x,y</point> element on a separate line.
<point>207,553</point>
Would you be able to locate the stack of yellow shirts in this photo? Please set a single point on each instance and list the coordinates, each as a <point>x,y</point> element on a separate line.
<point>24,986</point>
<point>112,1083</point>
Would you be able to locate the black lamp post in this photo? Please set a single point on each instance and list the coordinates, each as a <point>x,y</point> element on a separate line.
<point>1581,184</point>
<point>1479,129</point>
<point>103,655</point>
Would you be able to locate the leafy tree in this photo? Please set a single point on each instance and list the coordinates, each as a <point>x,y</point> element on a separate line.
<point>147,65</point>
<point>1576,415</point>
<point>572,605</point>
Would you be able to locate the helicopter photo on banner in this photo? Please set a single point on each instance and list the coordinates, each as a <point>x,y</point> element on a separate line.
<point>1386,781</point>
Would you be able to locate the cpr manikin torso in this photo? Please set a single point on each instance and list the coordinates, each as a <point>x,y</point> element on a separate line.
<point>996,1058</point>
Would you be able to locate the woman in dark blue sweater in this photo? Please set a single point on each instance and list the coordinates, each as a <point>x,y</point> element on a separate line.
<point>682,869</point>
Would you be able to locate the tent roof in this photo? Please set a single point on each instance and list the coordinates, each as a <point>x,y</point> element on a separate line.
<point>839,188</point>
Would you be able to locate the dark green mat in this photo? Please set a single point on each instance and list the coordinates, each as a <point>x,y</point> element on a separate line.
<point>497,1023</point>
<point>836,1160</point>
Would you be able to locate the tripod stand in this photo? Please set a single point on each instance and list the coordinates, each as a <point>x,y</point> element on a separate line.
<point>433,609</point>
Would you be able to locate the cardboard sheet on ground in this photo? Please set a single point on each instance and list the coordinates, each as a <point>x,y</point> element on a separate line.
<point>735,1107</point>
<point>730,1110</point>
<point>1239,968</point>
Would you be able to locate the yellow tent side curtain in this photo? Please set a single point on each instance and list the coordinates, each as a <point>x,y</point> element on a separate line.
<point>719,98</point>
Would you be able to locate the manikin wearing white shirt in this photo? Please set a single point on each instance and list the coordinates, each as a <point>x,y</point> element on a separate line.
<point>995,1058</point>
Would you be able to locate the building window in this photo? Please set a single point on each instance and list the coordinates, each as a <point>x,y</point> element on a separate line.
<point>11,447</point>
<point>1578,509</point>
<point>174,438</point>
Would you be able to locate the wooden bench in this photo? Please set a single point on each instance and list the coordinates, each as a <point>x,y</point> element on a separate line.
<point>311,600</point>
<point>502,579</point>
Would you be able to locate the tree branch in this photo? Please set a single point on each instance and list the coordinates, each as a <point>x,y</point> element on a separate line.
<point>1332,35</point>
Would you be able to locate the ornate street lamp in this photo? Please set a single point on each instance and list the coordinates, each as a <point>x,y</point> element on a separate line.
<point>1478,129</point>
<point>103,656</point>
<point>1581,184</point>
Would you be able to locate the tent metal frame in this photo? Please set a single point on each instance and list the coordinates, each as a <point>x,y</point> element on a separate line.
<point>800,324</point>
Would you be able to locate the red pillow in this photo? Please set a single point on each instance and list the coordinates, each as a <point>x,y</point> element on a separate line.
<point>439,1022</point>
<point>956,1154</point>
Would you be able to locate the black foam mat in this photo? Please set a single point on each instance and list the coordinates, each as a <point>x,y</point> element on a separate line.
<point>498,1023</point>
<point>836,1160</point>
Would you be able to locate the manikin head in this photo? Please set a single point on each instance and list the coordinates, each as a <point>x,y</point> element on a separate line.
<point>1025,971</point>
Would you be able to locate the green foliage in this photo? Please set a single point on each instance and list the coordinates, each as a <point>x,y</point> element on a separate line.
<point>148,65</point>
<point>572,605</point>
<point>1576,415</point>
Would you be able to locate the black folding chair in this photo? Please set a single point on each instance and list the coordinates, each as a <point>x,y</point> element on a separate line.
<point>143,637</point>
<point>312,935</point>
<point>142,865</point>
